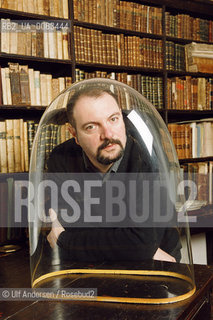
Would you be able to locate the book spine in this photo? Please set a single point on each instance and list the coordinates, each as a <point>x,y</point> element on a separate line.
<point>14,79</point>
<point>17,145</point>
<point>24,85</point>
<point>3,147</point>
<point>30,136</point>
<point>37,87</point>
<point>66,54</point>
<point>4,86</point>
<point>22,145</point>
<point>10,145</point>
<point>43,83</point>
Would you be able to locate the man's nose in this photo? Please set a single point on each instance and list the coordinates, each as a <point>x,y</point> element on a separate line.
<point>106,132</point>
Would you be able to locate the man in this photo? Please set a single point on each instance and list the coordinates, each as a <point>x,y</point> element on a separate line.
<point>102,144</point>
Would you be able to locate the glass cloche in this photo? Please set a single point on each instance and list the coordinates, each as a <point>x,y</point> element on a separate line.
<point>105,198</point>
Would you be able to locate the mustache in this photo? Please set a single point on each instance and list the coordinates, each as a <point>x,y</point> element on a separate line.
<point>108,141</point>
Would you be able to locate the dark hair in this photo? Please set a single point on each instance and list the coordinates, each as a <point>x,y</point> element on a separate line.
<point>86,91</point>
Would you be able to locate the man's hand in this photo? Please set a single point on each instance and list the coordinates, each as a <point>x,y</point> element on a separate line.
<point>163,256</point>
<point>56,229</point>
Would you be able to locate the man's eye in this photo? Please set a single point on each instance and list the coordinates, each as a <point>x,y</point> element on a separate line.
<point>114,119</point>
<point>90,127</point>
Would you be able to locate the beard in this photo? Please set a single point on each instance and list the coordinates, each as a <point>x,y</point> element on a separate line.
<point>107,160</point>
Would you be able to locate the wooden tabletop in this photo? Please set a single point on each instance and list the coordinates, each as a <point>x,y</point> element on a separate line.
<point>15,273</point>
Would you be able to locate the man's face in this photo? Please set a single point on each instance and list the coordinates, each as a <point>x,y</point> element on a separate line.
<point>100,129</point>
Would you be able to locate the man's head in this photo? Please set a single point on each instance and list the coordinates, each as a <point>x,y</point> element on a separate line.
<point>97,126</point>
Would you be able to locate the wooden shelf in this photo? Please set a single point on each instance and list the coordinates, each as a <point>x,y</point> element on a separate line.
<point>21,14</point>
<point>184,41</point>
<point>196,160</point>
<point>185,73</point>
<point>120,68</point>
<point>19,112</point>
<point>179,115</point>
<point>117,30</point>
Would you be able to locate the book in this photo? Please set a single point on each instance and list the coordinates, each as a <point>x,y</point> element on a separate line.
<point>22,144</point>
<point>39,43</point>
<point>56,8</point>
<point>207,141</point>
<point>31,6</point>
<point>24,85</point>
<point>199,57</point>
<point>30,135</point>
<point>59,44</point>
<point>52,45</point>
<point>26,148</point>
<point>33,40</point>
<point>55,88</point>
<point>5,36</point>
<point>40,7</point>
<point>202,182</point>
<point>21,43</point>
<point>46,44</point>
<point>52,8</point>
<point>65,9</point>
<point>17,145</point>
<point>28,50</point>
<point>49,88</point>
<point>10,145</point>
<point>25,5</point>
<point>37,87</point>
<point>4,86</point>
<point>43,84</point>
<point>65,46</point>
<point>187,142</point>
<point>61,81</point>
<point>3,147</point>
<point>32,87</point>
<point>13,40</point>
<point>44,8</point>
<point>8,86</point>
<point>14,77</point>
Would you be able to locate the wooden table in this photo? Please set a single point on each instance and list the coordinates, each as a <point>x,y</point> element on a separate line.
<point>15,273</point>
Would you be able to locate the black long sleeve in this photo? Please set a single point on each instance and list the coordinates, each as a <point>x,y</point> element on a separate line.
<point>109,244</point>
<point>101,243</point>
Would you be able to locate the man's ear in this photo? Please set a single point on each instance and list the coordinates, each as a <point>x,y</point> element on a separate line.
<point>73,132</point>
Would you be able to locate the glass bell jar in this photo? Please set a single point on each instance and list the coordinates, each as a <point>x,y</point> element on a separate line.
<point>106,198</point>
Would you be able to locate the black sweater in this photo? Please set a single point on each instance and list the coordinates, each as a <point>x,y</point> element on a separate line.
<point>110,244</point>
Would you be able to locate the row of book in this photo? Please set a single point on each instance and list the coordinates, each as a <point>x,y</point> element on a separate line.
<point>21,85</point>
<point>35,42</point>
<point>193,139</point>
<point>175,56</point>
<point>150,87</point>
<point>201,174</point>
<point>16,140</point>
<point>43,7</point>
<point>94,46</point>
<point>14,153</point>
<point>186,27</point>
<point>120,14</point>
<point>189,93</point>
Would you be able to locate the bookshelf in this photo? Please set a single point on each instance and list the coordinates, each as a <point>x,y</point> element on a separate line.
<point>153,27</point>
<point>156,32</point>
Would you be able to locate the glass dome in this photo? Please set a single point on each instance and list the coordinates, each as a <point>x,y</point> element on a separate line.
<point>105,198</point>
